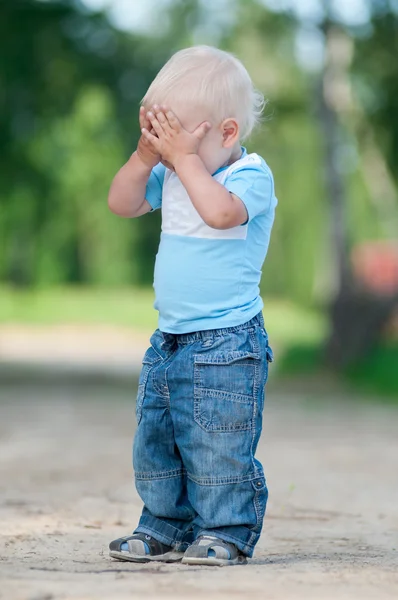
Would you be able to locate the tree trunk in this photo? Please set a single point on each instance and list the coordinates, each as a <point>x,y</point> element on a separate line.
<point>357,316</point>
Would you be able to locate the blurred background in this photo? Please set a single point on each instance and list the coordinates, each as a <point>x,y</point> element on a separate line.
<point>76,290</point>
<point>76,281</point>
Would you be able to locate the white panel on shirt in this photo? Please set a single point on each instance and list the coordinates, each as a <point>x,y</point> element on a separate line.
<point>180,217</point>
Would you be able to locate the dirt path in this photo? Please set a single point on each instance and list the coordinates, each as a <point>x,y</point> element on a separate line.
<point>65,491</point>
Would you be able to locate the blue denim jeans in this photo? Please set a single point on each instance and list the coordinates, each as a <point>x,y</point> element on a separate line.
<point>199,412</point>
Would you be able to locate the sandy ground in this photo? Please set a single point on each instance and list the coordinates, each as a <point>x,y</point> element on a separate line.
<point>66,490</point>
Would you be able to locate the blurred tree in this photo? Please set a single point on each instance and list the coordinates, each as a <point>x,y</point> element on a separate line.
<point>80,240</point>
<point>359,315</point>
<point>70,86</point>
<point>375,73</point>
<point>50,54</point>
<point>290,142</point>
<point>327,95</point>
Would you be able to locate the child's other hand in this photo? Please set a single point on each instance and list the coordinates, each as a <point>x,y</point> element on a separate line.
<point>169,138</point>
<point>145,149</point>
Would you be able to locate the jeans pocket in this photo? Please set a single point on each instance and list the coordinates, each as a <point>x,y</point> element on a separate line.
<point>226,386</point>
<point>151,357</point>
<point>268,350</point>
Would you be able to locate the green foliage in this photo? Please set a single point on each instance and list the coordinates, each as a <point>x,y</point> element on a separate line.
<point>377,372</point>
<point>68,121</point>
<point>70,86</point>
<point>375,73</point>
<point>82,151</point>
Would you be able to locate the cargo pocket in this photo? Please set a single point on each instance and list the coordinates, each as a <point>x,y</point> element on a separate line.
<point>226,386</point>
<point>268,351</point>
<point>150,359</point>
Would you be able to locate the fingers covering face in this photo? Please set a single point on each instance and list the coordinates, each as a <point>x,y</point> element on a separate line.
<point>160,116</point>
<point>157,126</point>
<point>165,117</point>
<point>143,118</point>
<point>172,120</point>
<point>150,137</point>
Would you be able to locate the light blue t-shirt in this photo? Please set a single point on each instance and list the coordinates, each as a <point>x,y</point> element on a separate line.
<point>209,278</point>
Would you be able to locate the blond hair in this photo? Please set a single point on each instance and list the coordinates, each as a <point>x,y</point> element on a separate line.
<point>209,78</point>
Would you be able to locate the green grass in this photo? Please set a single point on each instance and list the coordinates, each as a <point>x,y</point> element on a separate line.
<point>127,307</point>
<point>286,323</point>
<point>375,373</point>
<point>296,334</point>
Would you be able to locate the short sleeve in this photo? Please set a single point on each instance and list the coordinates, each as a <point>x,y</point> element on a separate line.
<point>153,192</point>
<point>254,185</point>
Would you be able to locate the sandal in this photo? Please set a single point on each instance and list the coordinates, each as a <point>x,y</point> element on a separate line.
<point>209,550</point>
<point>142,548</point>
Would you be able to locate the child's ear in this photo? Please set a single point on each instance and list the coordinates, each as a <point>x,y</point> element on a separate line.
<point>230,132</point>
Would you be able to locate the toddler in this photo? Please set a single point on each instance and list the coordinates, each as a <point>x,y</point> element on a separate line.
<point>201,389</point>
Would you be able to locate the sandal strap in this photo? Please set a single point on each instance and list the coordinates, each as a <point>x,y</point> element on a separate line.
<point>155,547</point>
<point>223,550</point>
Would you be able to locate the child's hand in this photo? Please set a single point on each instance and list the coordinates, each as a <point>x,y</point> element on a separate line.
<point>172,141</point>
<point>145,150</point>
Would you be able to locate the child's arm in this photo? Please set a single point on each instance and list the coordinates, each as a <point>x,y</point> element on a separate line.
<point>218,207</point>
<point>126,196</point>
<point>224,210</point>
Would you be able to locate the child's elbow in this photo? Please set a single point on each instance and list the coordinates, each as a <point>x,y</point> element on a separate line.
<point>117,201</point>
<point>112,197</point>
<point>116,207</point>
<point>221,220</point>
<point>214,223</point>
<point>112,203</point>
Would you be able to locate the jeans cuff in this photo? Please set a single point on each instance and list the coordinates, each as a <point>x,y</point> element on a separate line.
<point>161,531</point>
